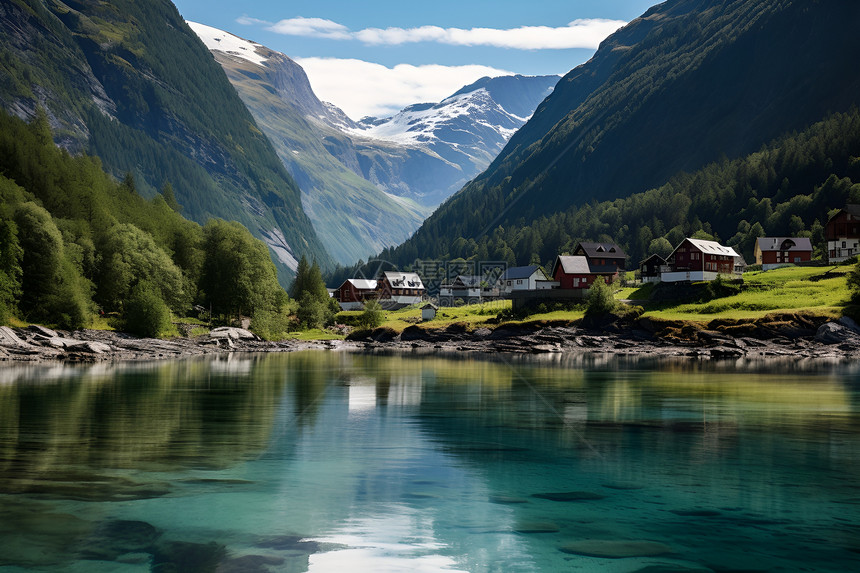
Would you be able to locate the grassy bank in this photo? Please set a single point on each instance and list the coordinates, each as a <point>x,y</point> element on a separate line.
<point>808,291</point>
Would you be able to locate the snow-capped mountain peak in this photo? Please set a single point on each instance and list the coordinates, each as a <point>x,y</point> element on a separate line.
<point>221,41</point>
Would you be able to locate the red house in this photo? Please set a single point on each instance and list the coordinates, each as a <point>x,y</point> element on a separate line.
<point>574,272</point>
<point>699,260</point>
<point>771,252</point>
<point>353,293</point>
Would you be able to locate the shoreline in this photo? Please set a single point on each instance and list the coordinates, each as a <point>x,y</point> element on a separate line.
<point>793,337</point>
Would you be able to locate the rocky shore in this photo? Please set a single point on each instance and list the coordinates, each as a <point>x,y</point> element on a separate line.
<point>789,335</point>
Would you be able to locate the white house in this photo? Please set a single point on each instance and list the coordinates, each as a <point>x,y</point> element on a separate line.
<point>524,278</point>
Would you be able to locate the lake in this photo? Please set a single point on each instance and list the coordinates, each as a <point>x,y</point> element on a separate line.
<point>332,462</point>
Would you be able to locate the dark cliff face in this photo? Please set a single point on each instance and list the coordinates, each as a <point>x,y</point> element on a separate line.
<point>131,83</point>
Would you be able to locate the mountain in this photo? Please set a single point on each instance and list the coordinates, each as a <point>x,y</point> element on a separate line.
<point>130,83</point>
<point>353,217</point>
<point>688,83</point>
<point>368,185</point>
<point>467,130</point>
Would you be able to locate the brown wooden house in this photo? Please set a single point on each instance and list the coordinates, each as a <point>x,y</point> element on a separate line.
<point>842,234</point>
<point>771,252</point>
<point>699,260</point>
<point>602,257</point>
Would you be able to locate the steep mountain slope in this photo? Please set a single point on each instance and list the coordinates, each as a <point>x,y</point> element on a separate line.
<point>353,218</point>
<point>130,82</point>
<point>368,185</point>
<point>687,83</point>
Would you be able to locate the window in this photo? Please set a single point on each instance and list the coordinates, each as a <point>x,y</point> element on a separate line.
<point>519,281</point>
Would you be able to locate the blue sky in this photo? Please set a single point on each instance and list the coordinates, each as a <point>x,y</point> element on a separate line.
<point>373,58</point>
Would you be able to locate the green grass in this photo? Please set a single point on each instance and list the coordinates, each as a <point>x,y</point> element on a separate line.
<point>313,334</point>
<point>472,314</point>
<point>789,289</point>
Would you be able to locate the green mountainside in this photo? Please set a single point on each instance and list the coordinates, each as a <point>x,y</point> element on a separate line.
<point>690,83</point>
<point>130,83</point>
<point>73,239</point>
<point>353,218</point>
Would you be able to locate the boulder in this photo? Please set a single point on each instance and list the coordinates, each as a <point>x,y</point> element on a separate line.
<point>833,333</point>
<point>9,338</point>
<point>850,323</point>
<point>233,333</point>
<point>415,333</point>
<point>41,330</point>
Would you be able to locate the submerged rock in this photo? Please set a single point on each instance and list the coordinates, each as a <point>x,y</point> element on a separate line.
<point>537,527</point>
<point>116,538</point>
<point>570,496</point>
<point>616,549</point>
<point>185,557</point>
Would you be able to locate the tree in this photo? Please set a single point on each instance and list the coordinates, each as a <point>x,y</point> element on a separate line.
<point>170,197</point>
<point>52,289</point>
<point>660,246</point>
<point>10,268</point>
<point>600,299</point>
<point>308,288</point>
<point>238,276</point>
<point>130,256</point>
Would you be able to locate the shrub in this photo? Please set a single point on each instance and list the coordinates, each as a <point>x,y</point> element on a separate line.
<point>146,313</point>
<point>270,325</point>
<point>600,299</point>
<point>372,316</point>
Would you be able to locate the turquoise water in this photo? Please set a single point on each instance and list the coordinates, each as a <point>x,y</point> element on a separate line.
<point>331,462</point>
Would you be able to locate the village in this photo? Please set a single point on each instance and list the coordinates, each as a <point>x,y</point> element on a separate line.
<point>571,276</point>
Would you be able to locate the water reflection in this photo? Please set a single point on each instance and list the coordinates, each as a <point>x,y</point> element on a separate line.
<point>327,461</point>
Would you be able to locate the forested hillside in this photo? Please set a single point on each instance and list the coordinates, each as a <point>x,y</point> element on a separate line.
<point>74,241</point>
<point>131,83</point>
<point>786,188</point>
<point>691,82</point>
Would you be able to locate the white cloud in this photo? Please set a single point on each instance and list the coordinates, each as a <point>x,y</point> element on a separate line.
<point>364,88</point>
<point>586,33</point>
<point>311,27</point>
<point>577,34</point>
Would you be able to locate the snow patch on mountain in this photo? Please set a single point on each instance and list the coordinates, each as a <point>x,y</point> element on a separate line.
<point>422,123</point>
<point>221,41</point>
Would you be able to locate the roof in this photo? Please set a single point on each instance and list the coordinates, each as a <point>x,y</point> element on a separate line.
<point>362,284</point>
<point>403,280</point>
<point>520,272</point>
<point>655,255</point>
<point>711,247</point>
<point>571,265</point>
<point>469,280</point>
<point>607,250</point>
<point>850,208</point>
<point>429,305</point>
<point>784,244</point>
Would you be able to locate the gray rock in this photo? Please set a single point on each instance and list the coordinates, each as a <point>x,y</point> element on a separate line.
<point>231,332</point>
<point>833,333</point>
<point>850,323</point>
<point>42,331</point>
